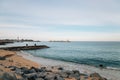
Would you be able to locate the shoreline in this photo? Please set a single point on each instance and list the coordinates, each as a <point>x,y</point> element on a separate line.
<point>110,74</point>
<point>15,61</point>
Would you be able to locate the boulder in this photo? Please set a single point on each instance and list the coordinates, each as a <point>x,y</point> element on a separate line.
<point>58,77</point>
<point>96,75</point>
<point>60,68</point>
<point>9,76</point>
<point>50,76</point>
<point>63,74</point>
<point>18,71</point>
<point>39,79</point>
<point>32,71</point>
<point>13,68</point>
<point>41,74</point>
<point>2,58</point>
<point>31,76</point>
<point>25,70</point>
<point>36,69</point>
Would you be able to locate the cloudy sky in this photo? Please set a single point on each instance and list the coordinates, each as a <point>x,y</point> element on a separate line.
<point>75,20</point>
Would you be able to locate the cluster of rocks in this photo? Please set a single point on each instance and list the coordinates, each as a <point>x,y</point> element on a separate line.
<point>44,73</point>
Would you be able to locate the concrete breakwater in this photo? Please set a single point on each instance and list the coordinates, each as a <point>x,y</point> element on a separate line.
<point>5,42</point>
<point>18,48</point>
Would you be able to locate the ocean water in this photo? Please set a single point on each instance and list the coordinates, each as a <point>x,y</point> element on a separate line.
<point>87,53</point>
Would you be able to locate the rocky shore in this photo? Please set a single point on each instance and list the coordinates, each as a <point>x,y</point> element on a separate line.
<point>15,67</point>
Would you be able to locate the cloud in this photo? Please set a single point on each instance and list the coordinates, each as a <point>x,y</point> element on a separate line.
<point>91,13</point>
<point>51,17</point>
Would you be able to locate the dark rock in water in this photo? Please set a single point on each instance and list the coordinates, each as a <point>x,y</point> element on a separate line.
<point>102,66</point>
<point>60,68</point>
<point>9,76</point>
<point>31,76</point>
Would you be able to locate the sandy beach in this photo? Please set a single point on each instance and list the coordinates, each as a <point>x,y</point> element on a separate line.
<point>20,60</point>
<point>12,59</point>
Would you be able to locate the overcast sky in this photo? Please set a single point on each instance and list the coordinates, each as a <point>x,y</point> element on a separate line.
<point>77,20</point>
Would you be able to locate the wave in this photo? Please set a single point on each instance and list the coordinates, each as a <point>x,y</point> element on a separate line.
<point>74,62</point>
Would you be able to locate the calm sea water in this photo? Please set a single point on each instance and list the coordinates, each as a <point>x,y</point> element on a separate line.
<point>89,53</point>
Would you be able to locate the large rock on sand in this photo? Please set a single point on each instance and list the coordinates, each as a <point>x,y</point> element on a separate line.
<point>97,76</point>
<point>8,76</point>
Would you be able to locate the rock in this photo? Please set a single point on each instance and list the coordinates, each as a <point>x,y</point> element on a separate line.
<point>13,68</point>
<point>76,72</point>
<point>43,69</point>
<point>41,74</point>
<point>32,71</point>
<point>60,68</point>
<point>36,69</point>
<point>50,76</point>
<point>96,75</point>
<point>63,74</point>
<point>58,77</point>
<point>31,76</point>
<point>24,70</point>
<point>39,79</point>
<point>18,71</point>
<point>2,58</point>
<point>9,76</point>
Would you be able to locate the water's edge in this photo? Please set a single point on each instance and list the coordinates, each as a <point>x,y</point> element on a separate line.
<point>107,73</point>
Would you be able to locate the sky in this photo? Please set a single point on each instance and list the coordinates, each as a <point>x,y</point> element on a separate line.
<point>74,20</point>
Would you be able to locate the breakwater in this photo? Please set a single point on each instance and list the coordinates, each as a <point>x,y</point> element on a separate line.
<point>18,48</point>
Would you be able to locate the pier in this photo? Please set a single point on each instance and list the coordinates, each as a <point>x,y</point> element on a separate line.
<point>18,48</point>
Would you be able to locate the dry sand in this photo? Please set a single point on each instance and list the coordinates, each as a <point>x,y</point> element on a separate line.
<point>12,59</point>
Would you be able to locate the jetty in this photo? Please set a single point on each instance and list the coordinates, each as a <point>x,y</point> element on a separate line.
<point>18,48</point>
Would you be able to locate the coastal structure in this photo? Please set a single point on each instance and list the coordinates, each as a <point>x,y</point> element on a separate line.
<point>18,48</point>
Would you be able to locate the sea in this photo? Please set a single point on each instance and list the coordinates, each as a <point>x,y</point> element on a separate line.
<point>85,56</point>
<point>93,53</point>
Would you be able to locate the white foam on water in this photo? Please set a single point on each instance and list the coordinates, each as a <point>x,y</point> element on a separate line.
<point>107,73</point>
